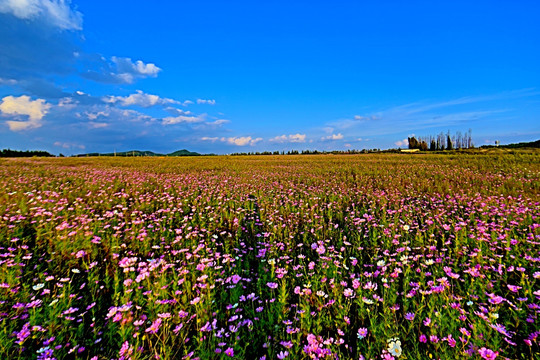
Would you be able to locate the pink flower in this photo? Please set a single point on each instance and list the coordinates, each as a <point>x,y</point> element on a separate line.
<point>423,338</point>
<point>229,352</point>
<point>451,341</point>
<point>487,354</point>
<point>154,327</point>
<point>272,285</point>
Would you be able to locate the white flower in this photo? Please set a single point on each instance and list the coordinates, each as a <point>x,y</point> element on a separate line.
<point>394,347</point>
<point>38,286</point>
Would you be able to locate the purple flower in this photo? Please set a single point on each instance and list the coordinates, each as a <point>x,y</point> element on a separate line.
<point>23,334</point>
<point>409,316</point>
<point>229,352</point>
<point>282,355</point>
<point>272,285</point>
<point>362,333</point>
<point>487,354</point>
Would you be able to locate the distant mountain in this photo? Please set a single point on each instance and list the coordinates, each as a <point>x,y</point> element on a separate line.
<point>135,153</point>
<point>183,152</point>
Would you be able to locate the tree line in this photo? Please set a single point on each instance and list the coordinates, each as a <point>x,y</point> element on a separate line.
<point>27,153</point>
<point>442,141</point>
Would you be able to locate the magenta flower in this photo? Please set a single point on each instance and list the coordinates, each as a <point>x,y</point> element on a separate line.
<point>272,285</point>
<point>362,333</point>
<point>154,327</point>
<point>487,354</point>
<point>409,316</point>
<point>451,341</point>
<point>229,352</point>
<point>423,338</point>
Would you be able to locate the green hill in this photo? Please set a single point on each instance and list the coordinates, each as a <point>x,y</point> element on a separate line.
<point>183,152</point>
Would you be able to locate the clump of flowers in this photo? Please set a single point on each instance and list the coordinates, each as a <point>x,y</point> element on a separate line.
<point>315,348</point>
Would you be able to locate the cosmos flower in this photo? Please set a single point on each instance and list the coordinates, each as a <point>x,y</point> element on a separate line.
<point>154,328</point>
<point>487,354</point>
<point>394,347</point>
<point>362,333</point>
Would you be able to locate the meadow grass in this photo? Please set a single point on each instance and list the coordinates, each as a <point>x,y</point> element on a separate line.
<point>350,257</point>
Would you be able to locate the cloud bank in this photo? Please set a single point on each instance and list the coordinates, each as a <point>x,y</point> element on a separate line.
<point>22,106</point>
<point>56,13</point>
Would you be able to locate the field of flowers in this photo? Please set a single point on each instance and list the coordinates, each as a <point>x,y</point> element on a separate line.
<point>296,257</point>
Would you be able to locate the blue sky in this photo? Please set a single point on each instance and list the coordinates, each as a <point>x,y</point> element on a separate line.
<point>239,76</point>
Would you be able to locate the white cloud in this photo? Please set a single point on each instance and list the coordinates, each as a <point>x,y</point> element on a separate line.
<point>67,103</point>
<point>404,142</point>
<point>218,122</point>
<point>241,141</point>
<point>360,117</point>
<point>183,119</point>
<point>212,139</point>
<point>66,145</point>
<point>4,81</point>
<point>58,13</point>
<point>95,115</point>
<point>140,99</point>
<point>22,105</point>
<point>209,102</point>
<point>97,125</point>
<point>333,137</point>
<point>127,70</point>
<point>293,138</point>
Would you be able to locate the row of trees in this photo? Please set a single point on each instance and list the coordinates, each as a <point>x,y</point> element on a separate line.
<point>442,142</point>
<point>28,153</point>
